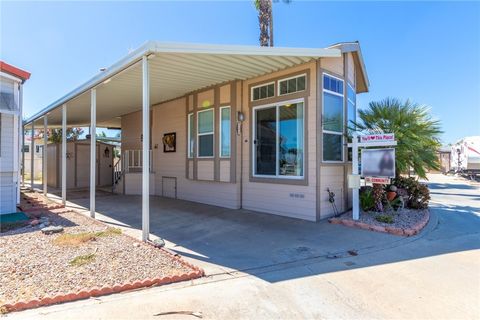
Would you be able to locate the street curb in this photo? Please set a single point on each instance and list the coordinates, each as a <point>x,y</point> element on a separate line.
<point>105,290</point>
<point>408,232</point>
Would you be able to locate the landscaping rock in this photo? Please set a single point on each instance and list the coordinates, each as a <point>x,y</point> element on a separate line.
<point>34,222</point>
<point>52,229</point>
<point>158,243</point>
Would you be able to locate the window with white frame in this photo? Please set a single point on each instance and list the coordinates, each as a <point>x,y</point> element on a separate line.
<point>278,149</point>
<point>291,85</point>
<point>205,133</point>
<point>263,91</point>
<point>191,135</point>
<point>332,118</point>
<point>7,95</point>
<point>225,128</point>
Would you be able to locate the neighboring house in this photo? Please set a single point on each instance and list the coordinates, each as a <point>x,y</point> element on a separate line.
<point>12,80</point>
<point>234,126</point>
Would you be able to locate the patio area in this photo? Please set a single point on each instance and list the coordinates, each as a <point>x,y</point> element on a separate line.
<point>222,240</point>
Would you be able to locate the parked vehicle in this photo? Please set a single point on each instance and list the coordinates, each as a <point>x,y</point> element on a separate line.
<point>465,156</point>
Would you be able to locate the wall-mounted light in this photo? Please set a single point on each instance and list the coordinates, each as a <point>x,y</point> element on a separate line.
<point>240,116</point>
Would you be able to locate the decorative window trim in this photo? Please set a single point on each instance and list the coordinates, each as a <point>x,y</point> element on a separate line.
<point>277,176</point>
<point>259,86</point>
<point>343,113</point>
<point>205,134</point>
<point>289,78</point>
<point>190,143</point>
<point>220,133</point>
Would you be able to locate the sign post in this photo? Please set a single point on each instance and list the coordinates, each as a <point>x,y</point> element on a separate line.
<point>372,140</point>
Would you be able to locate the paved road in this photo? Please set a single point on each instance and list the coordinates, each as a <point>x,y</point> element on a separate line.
<point>434,275</point>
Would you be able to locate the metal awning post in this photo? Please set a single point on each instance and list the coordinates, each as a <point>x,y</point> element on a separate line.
<point>64,154</point>
<point>93,149</point>
<point>45,154</point>
<point>32,156</point>
<point>355,191</point>
<point>23,156</point>
<point>145,150</point>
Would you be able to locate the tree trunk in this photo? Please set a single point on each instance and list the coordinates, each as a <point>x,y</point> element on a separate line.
<point>271,24</point>
<point>264,10</point>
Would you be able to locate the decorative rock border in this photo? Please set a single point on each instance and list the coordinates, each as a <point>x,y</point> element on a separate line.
<point>96,291</point>
<point>386,229</point>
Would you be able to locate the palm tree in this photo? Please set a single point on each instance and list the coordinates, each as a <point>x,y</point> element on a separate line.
<point>264,8</point>
<point>415,130</point>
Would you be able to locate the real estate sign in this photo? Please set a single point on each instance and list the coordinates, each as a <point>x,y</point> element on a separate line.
<point>377,180</point>
<point>384,137</point>
<point>378,162</point>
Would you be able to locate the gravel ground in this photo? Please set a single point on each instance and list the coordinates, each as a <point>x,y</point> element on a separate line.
<point>33,266</point>
<point>406,218</point>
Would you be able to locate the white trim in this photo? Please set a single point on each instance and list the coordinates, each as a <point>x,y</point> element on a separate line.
<point>254,134</point>
<point>293,77</point>
<point>259,86</point>
<point>220,133</point>
<point>340,133</point>
<point>189,133</point>
<point>205,134</point>
<point>10,77</point>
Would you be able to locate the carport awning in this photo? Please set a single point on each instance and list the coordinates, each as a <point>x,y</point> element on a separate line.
<point>174,70</point>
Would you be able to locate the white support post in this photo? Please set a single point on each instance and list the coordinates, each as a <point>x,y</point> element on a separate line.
<point>32,156</point>
<point>45,154</point>
<point>23,155</point>
<point>93,149</point>
<point>355,190</point>
<point>145,149</point>
<point>64,154</point>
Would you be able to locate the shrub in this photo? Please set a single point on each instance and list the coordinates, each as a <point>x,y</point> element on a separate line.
<point>367,202</point>
<point>378,196</point>
<point>385,218</point>
<point>418,194</point>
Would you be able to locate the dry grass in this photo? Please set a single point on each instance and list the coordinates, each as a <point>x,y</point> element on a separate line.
<point>82,260</point>
<point>75,239</point>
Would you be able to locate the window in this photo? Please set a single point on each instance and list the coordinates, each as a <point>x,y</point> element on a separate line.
<point>205,133</point>
<point>26,148</point>
<point>7,95</point>
<point>332,118</point>
<point>351,115</point>
<point>263,91</point>
<point>278,149</point>
<point>191,135</point>
<point>291,85</point>
<point>225,125</point>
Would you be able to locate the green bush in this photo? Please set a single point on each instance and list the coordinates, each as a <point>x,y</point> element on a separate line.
<point>367,202</point>
<point>418,193</point>
<point>385,218</point>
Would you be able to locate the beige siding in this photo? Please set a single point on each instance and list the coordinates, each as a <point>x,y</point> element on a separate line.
<point>282,199</point>
<point>133,183</point>
<point>225,170</point>
<point>52,159</point>
<point>331,177</point>
<point>351,69</point>
<point>205,98</point>
<point>225,94</point>
<point>334,65</point>
<point>205,170</point>
<point>131,131</point>
<point>171,117</point>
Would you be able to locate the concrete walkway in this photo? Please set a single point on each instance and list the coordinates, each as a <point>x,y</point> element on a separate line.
<point>261,266</point>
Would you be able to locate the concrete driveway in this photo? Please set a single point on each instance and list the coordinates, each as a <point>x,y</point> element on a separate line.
<point>261,266</point>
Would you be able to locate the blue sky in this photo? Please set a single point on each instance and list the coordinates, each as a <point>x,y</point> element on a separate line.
<point>426,51</point>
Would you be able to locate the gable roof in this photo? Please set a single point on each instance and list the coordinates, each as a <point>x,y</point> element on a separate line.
<point>14,71</point>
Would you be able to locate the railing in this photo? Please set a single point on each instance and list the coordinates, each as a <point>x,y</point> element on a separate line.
<point>133,160</point>
<point>117,171</point>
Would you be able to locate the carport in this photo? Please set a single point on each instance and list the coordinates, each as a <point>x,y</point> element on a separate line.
<point>155,73</point>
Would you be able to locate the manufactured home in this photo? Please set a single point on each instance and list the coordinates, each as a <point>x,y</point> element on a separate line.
<point>11,88</point>
<point>260,128</point>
